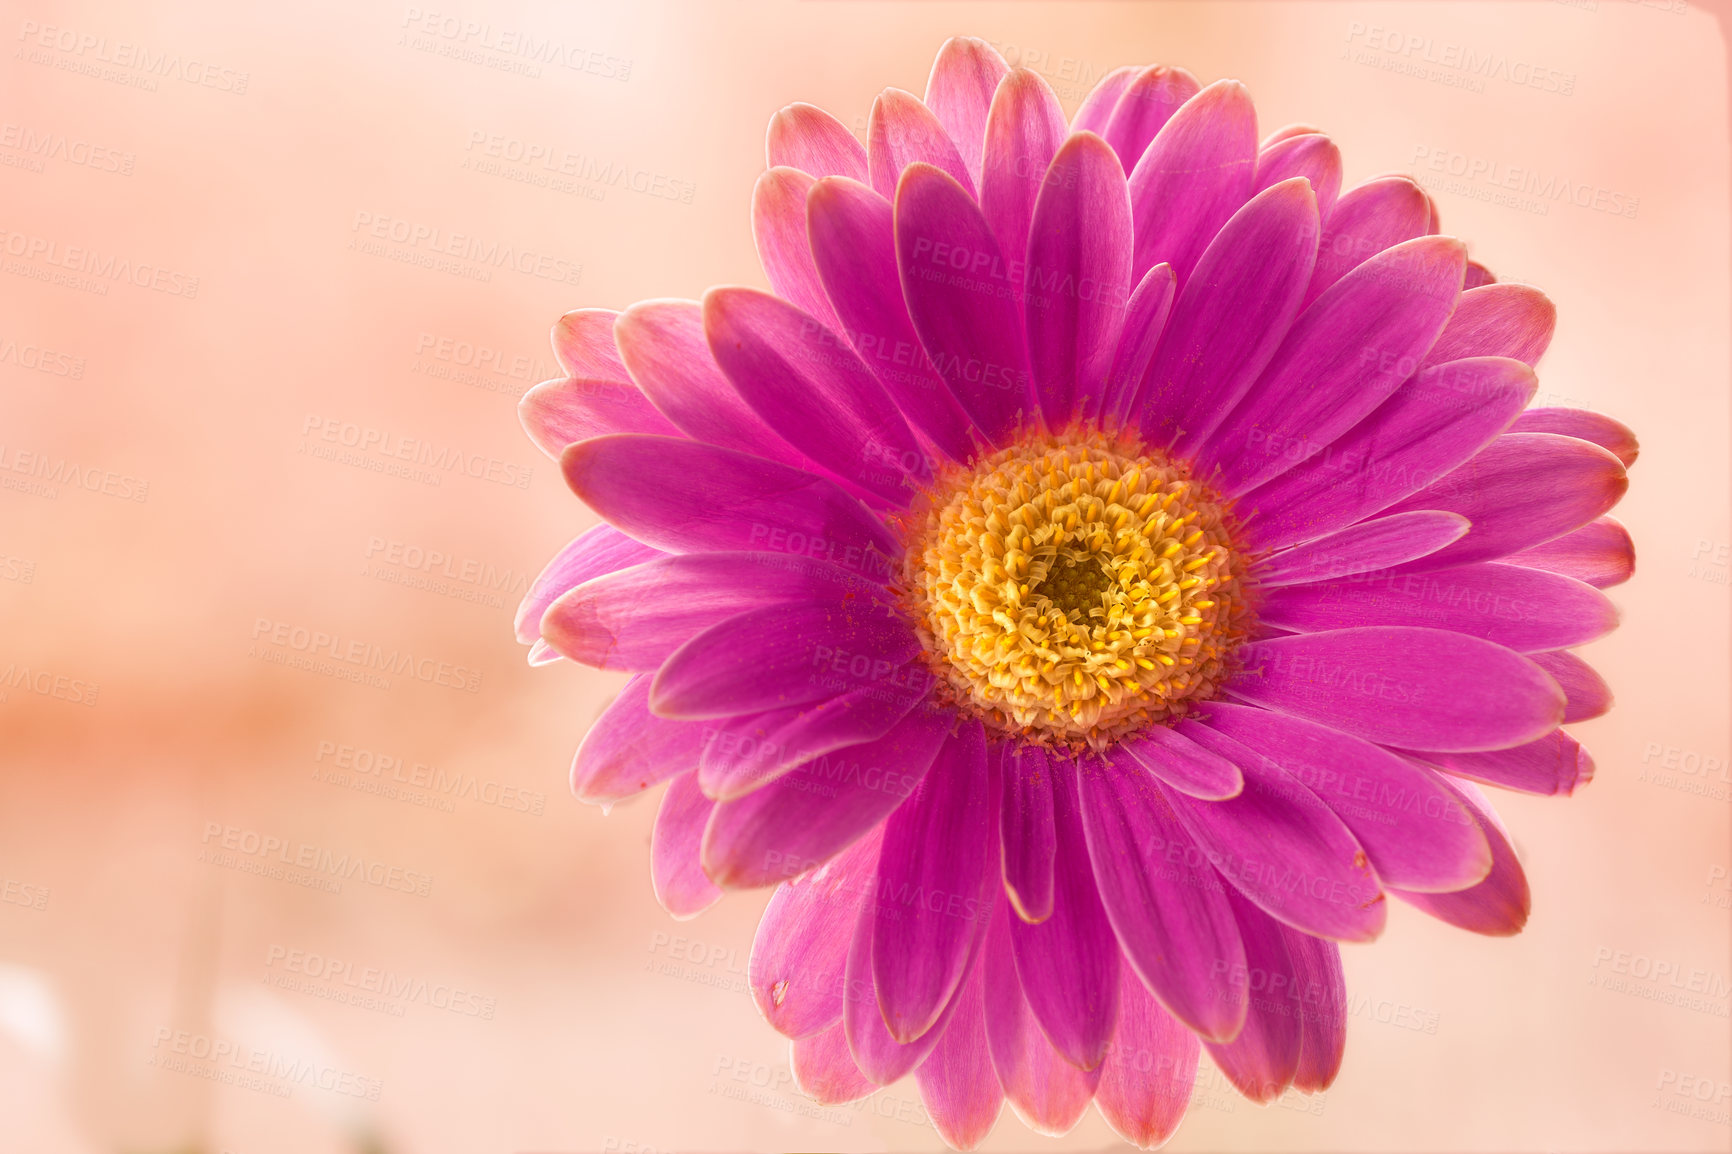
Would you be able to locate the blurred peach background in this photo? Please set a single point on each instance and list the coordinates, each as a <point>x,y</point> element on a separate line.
<point>226,238</point>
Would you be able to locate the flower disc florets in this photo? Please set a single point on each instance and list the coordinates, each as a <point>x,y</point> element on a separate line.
<point>1075,587</point>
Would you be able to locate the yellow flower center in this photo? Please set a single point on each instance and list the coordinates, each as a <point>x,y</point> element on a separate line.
<point>1074,588</point>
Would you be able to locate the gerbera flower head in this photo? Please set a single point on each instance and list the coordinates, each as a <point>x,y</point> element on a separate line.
<point>1085,588</point>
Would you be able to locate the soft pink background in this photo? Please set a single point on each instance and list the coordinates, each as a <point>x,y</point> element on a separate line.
<point>607,1033</point>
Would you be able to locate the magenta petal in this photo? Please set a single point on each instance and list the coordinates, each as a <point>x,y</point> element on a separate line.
<point>1097,107</point>
<point>1263,1059</point>
<point>957,1082</point>
<point>559,413</point>
<point>1498,906</point>
<point>1231,316</point>
<point>1600,553</point>
<point>1026,832</point>
<point>679,881</point>
<point>1079,269</point>
<point>1321,997</point>
<point>1167,907</point>
<point>1324,884</point>
<point>1311,155</point>
<point>1586,693</point>
<point>1521,490</point>
<point>1048,1093</point>
<point>1554,765</point>
<point>960,91</point>
<point>1432,423</point>
<point>806,384</point>
<point>595,552</point>
<point>1287,132</point>
<point>744,753</point>
<point>1148,102</point>
<point>541,653</point>
<point>1344,355</point>
<point>1363,548</point>
<point>808,138</point>
<point>629,749</point>
<point>952,277</point>
<point>634,619</point>
<point>1145,321</point>
<point>880,1057</point>
<point>683,496</point>
<point>800,952</point>
<point>784,655</point>
<point>854,245</point>
<point>902,131</point>
<point>1416,834</point>
<point>1069,963</point>
<point>808,815</point>
<point>1022,136</point>
<point>1526,610</point>
<point>663,345</point>
<point>1478,276</point>
<point>1615,437</point>
<point>779,229</point>
<point>1505,320</point>
<point>1366,220</point>
<point>1149,1070</point>
<point>1182,763</point>
<point>825,1070</point>
<point>935,884</point>
<point>1194,175</point>
<point>584,347</point>
<point>1399,685</point>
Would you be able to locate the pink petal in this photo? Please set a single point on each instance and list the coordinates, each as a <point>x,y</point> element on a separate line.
<point>957,1082</point>
<point>1146,105</point>
<point>1311,155</point>
<point>779,229</point>
<point>806,384</point>
<point>960,90</point>
<point>971,329</point>
<point>808,138</point>
<point>880,1057</point>
<point>935,886</point>
<point>1554,765</point>
<point>800,952</point>
<point>1231,316</point>
<point>1145,321</point>
<point>1399,685</point>
<point>1586,693</point>
<point>824,1069</point>
<point>1498,906</point>
<point>1323,884</point>
<point>1366,220</point>
<point>1415,833</point>
<point>1599,553</point>
<point>584,347</point>
<point>629,749</point>
<point>559,413</point>
<point>1505,320</point>
<point>1149,1070</point>
<point>1068,964</point>
<point>595,552</point>
<point>745,753</point>
<point>1263,1059</point>
<point>903,131</point>
<point>1478,276</point>
<point>1023,134</point>
<point>854,245</point>
<point>1167,907</point>
<point>680,884</point>
<point>1322,1008</point>
<point>1181,763</point>
<point>1048,1093</point>
<point>1615,437</point>
<point>809,815</point>
<point>1079,269</point>
<point>1287,132</point>
<point>1363,548</point>
<point>1097,107</point>
<point>1026,833</point>
<point>1195,174</point>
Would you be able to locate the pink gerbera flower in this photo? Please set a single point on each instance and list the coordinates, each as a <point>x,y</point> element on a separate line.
<point>1085,589</point>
